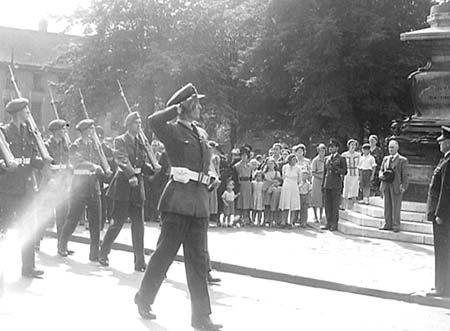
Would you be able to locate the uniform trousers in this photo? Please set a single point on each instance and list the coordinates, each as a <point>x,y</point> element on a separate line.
<point>19,208</point>
<point>190,231</point>
<point>441,235</point>
<point>121,211</point>
<point>76,209</point>
<point>392,208</point>
<point>332,199</point>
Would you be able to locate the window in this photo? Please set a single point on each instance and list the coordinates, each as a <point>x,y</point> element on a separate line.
<point>37,82</point>
<point>36,110</point>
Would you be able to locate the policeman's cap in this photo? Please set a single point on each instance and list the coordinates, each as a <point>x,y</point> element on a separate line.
<point>131,117</point>
<point>57,125</point>
<point>84,124</point>
<point>445,133</point>
<point>16,105</point>
<point>186,92</point>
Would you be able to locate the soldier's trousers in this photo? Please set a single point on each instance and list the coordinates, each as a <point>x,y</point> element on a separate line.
<point>191,232</point>
<point>121,211</point>
<point>18,208</point>
<point>332,198</point>
<point>442,256</point>
<point>77,207</point>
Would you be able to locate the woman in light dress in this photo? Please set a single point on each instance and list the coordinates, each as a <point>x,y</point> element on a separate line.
<point>290,194</point>
<point>351,179</point>
<point>317,171</point>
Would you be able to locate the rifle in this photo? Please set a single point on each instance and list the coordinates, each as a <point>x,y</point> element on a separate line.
<point>141,136</point>
<point>55,110</point>
<point>8,156</point>
<point>97,145</point>
<point>31,123</point>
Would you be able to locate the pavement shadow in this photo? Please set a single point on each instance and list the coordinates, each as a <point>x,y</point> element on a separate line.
<point>416,247</point>
<point>20,286</point>
<point>309,231</point>
<point>153,325</point>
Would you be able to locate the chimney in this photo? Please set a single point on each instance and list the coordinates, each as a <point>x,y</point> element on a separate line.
<point>43,25</point>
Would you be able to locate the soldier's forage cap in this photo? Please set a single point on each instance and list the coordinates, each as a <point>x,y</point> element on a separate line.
<point>131,117</point>
<point>57,125</point>
<point>16,105</point>
<point>84,124</point>
<point>184,94</point>
<point>445,133</point>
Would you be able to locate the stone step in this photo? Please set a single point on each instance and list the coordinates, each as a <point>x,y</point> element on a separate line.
<point>372,222</point>
<point>363,231</point>
<point>418,207</point>
<point>378,212</point>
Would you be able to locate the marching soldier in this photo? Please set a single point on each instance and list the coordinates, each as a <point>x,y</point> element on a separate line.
<point>18,186</point>
<point>438,212</point>
<point>85,190</point>
<point>58,149</point>
<point>127,192</point>
<point>184,206</point>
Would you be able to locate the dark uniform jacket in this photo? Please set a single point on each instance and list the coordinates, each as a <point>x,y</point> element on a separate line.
<point>129,157</point>
<point>438,203</point>
<point>83,156</point>
<point>185,148</point>
<point>335,170</point>
<point>22,145</point>
<point>59,151</point>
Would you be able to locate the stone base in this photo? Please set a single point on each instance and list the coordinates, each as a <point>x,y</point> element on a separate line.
<point>419,181</point>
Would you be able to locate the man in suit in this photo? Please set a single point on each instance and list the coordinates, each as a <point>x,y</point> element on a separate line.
<point>335,170</point>
<point>127,192</point>
<point>84,190</point>
<point>438,212</point>
<point>392,189</point>
<point>19,185</point>
<point>184,206</point>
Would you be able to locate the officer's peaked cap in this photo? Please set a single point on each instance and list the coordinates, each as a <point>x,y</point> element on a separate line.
<point>184,94</point>
<point>445,133</point>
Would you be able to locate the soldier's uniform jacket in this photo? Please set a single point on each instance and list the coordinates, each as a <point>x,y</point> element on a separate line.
<point>83,158</point>
<point>438,203</point>
<point>335,169</point>
<point>130,158</point>
<point>59,151</point>
<point>23,147</point>
<point>186,147</point>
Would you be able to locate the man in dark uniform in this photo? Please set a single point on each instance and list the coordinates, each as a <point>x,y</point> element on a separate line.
<point>127,191</point>
<point>184,206</point>
<point>438,212</point>
<point>60,170</point>
<point>18,186</point>
<point>85,189</point>
<point>335,170</point>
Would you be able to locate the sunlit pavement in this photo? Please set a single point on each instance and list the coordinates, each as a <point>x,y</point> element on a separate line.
<point>78,295</point>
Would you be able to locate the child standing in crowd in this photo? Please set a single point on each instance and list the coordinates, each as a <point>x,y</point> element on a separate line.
<point>351,180</point>
<point>257,191</point>
<point>290,195</point>
<point>305,190</point>
<point>367,168</point>
<point>243,177</point>
<point>228,198</point>
<point>270,174</point>
<point>275,194</point>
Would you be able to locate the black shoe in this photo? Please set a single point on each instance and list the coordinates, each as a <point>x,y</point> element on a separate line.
<point>140,267</point>
<point>93,258</point>
<point>205,323</point>
<point>32,273</point>
<point>213,280</point>
<point>144,310</point>
<point>332,229</point>
<point>103,261</point>
<point>383,228</point>
<point>396,230</point>
<point>62,252</point>
<point>324,227</point>
<point>70,252</point>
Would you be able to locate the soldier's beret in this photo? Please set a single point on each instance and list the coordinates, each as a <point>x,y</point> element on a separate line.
<point>84,124</point>
<point>445,133</point>
<point>57,125</point>
<point>184,94</point>
<point>16,104</point>
<point>131,117</point>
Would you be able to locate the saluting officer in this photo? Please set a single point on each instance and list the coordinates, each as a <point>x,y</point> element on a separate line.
<point>59,180</point>
<point>85,190</point>
<point>438,212</point>
<point>127,191</point>
<point>184,206</point>
<point>18,186</point>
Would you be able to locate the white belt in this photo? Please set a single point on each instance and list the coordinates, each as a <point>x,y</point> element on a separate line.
<point>82,172</point>
<point>137,171</point>
<point>23,160</point>
<point>184,175</point>
<point>58,167</point>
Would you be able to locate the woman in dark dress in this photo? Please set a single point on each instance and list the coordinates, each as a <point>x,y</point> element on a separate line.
<point>378,154</point>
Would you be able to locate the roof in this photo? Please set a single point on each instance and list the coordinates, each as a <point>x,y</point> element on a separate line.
<point>34,48</point>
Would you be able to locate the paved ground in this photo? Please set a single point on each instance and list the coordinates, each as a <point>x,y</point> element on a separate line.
<point>77,295</point>
<point>331,256</point>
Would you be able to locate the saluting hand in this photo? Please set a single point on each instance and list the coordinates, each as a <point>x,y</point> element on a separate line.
<point>439,220</point>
